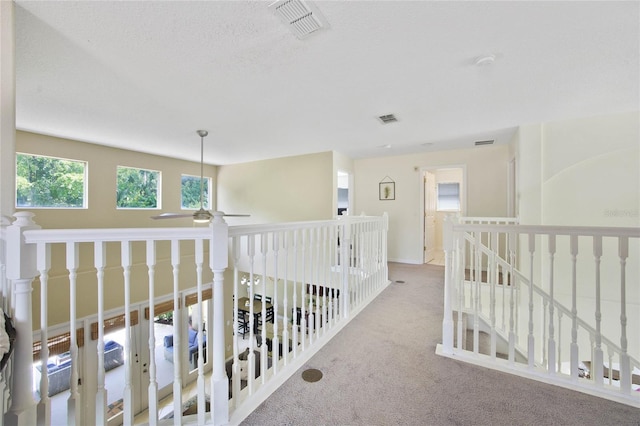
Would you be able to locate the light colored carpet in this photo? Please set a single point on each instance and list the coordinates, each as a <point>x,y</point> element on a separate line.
<point>382,369</point>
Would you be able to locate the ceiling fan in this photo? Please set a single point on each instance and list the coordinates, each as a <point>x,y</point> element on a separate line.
<point>201,215</point>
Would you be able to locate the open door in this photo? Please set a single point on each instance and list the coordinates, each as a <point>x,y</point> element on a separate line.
<point>429,216</point>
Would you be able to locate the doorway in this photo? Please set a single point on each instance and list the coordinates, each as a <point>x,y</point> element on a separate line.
<point>343,193</point>
<point>444,195</point>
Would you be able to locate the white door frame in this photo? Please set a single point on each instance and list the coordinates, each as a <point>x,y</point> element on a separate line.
<point>463,200</point>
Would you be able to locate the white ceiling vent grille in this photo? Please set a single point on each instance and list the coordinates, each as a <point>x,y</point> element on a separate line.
<point>480,143</point>
<point>302,18</point>
<point>389,118</point>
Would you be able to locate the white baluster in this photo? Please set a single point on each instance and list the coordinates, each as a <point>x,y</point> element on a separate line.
<point>545,328</point>
<point>552,344</point>
<point>476,297</point>
<point>458,260</point>
<point>625,363</point>
<point>177,333</point>
<point>559,340</point>
<point>573,240</point>
<point>125,260</point>
<point>512,286</point>
<point>251,358</point>
<point>275,342</point>
<point>235,367</point>
<point>322,232</point>
<point>264,248</point>
<point>74,407</point>
<point>598,357</point>
<point>44,263</point>
<point>153,383</point>
<point>493,281</point>
<point>345,242</point>
<point>200,385</point>
<point>285,298</point>
<point>100,262</point>
<point>303,293</point>
<point>294,316</point>
<point>315,268</point>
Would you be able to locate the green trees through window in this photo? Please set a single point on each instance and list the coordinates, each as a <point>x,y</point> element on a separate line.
<point>191,192</point>
<point>137,188</point>
<point>49,182</point>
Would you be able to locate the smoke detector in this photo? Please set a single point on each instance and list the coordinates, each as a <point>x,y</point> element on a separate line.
<point>301,17</point>
<point>484,60</point>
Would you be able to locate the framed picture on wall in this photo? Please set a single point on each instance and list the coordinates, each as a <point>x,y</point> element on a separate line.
<point>387,190</point>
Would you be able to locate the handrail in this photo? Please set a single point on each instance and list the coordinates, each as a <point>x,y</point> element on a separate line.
<point>587,231</point>
<point>547,298</point>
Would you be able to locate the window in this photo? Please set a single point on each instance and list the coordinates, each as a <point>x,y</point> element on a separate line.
<point>449,196</point>
<point>191,192</point>
<point>50,182</point>
<point>137,188</point>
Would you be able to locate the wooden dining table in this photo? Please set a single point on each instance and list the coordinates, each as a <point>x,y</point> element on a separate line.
<point>244,305</point>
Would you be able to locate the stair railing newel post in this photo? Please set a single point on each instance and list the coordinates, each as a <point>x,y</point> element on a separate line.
<point>21,270</point>
<point>625,362</point>
<point>345,259</point>
<point>447,321</point>
<point>219,261</point>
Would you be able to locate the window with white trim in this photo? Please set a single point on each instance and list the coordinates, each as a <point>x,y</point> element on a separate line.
<point>50,182</point>
<point>137,188</point>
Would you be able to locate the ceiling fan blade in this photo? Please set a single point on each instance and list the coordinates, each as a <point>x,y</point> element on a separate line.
<point>171,216</point>
<point>236,215</point>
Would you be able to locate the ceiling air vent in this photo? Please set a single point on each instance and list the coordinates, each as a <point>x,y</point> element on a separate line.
<point>389,118</point>
<point>479,143</point>
<point>300,17</point>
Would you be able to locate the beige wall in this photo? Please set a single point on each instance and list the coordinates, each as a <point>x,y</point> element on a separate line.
<point>285,189</point>
<point>102,213</point>
<point>486,169</point>
<point>102,166</point>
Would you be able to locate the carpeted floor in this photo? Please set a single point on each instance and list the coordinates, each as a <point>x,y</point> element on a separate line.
<point>382,370</point>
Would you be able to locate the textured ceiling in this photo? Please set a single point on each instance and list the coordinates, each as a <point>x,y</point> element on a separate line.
<point>146,75</point>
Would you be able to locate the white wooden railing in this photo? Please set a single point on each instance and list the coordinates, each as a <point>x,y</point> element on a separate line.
<point>325,270</point>
<point>557,304</point>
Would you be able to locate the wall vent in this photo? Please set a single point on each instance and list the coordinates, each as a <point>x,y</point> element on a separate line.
<point>488,142</point>
<point>302,18</point>
<point>389,118</point>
